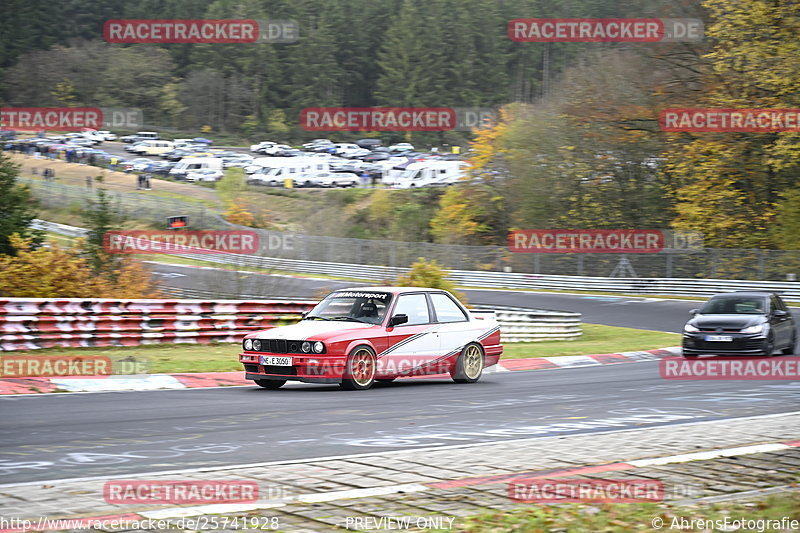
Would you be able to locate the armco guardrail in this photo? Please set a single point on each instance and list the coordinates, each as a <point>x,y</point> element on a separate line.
<point>33,323</point>
<point>518,324</point>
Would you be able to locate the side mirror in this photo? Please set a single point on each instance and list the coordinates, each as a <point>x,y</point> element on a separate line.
<point>694,312</point>
<point>397,320</point>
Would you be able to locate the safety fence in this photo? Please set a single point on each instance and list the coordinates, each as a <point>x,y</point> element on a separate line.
<point>689,263</point>
<point>36,323</point>
<point>473,278</point>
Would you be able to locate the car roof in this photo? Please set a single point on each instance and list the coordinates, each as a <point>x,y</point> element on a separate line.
<point>394,290</point>
<point>761,294</point>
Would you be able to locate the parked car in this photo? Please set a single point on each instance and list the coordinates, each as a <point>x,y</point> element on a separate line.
<point>275,148</point>
<point>133,147</point>
<point>740,323</point>
<point>161,167</point>
<point>326,179</point>
<point>258,148</point>
<point>290,152</point>
<point>358,153</point>
<point>238,160</point>
<point>369,143</point>
<point>107,135</point>
<point>140,164</point>
<point>376,156</point>
<point>317,142</point>
<point>204,174</point>
<point>140,136</point>
<point>355,337</point>
<point>191,164</point>
<point>401,147</point>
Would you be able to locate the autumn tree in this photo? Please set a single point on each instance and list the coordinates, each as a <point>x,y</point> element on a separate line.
<point>429,274</point>
<point>39,272</point>
<point>727,185</point>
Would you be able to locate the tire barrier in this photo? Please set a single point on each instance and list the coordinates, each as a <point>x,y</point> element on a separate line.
<point>35,323</point>
<point>519,324</point>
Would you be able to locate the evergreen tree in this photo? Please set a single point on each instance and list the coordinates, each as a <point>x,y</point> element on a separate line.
<point>16,212</point>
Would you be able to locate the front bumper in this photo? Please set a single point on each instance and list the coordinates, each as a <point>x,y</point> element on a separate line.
<point>305,368</point>
<point>741,344</point>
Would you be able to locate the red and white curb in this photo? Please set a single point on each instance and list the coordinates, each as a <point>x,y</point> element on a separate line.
<point>200,510</point>
<point>37,385</point>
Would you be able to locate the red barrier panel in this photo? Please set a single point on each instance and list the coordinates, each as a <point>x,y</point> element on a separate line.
<point>34,323</point>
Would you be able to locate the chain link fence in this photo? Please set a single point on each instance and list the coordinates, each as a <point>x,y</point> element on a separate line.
<point>752,264</point>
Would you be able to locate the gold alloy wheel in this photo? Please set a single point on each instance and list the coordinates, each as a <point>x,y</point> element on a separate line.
<point>362,367</point>
<point>473,361</point>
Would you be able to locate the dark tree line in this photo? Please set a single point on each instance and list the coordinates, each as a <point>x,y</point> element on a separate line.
<point>351,53</point>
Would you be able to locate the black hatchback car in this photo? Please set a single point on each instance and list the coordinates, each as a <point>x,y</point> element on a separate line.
<point>740,323</point>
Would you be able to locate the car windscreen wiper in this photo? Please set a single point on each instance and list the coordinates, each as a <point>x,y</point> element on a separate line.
<point>315,316</point>
<point>350,318</point>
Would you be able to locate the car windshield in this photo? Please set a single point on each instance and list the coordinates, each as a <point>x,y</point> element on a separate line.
<point>367,307</point>
<point>734,306</point>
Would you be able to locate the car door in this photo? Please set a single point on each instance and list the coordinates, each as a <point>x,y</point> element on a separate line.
<point>782,325</point>
<point>455,329</point>
<point>413,344</point>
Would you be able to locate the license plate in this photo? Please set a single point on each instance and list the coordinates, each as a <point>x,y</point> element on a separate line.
<point>719,338</point>
<point>276,361</point>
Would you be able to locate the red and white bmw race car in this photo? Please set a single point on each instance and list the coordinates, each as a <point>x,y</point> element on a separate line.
<point>358,336</point>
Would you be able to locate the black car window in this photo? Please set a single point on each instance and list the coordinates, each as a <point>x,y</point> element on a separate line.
<point>735,306</point>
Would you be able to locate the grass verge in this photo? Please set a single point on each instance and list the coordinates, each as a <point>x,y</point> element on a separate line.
<point>596,339</point>
<point>223,357</point>
<point>624,518</point>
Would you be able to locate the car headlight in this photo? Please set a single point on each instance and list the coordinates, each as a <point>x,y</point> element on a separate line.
<point>306,347</point>
<point>248,344</point>
<point>319,347</point>
<point>758,328</point>
<point>688,328</point>
<point>257,345</point>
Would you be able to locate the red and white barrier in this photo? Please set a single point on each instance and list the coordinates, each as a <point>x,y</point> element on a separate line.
<point>34,323</point>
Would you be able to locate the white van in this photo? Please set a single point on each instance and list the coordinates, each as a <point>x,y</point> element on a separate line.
<point>427,174</point>
<point>195,163</point>
<point>154,147</point>
<point>274,170</point>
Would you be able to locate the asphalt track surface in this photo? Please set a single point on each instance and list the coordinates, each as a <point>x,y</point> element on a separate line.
<point>633,312</point>
<point>66,436</point>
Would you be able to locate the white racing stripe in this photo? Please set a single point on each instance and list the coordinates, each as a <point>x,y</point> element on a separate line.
<point>713,454</point>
